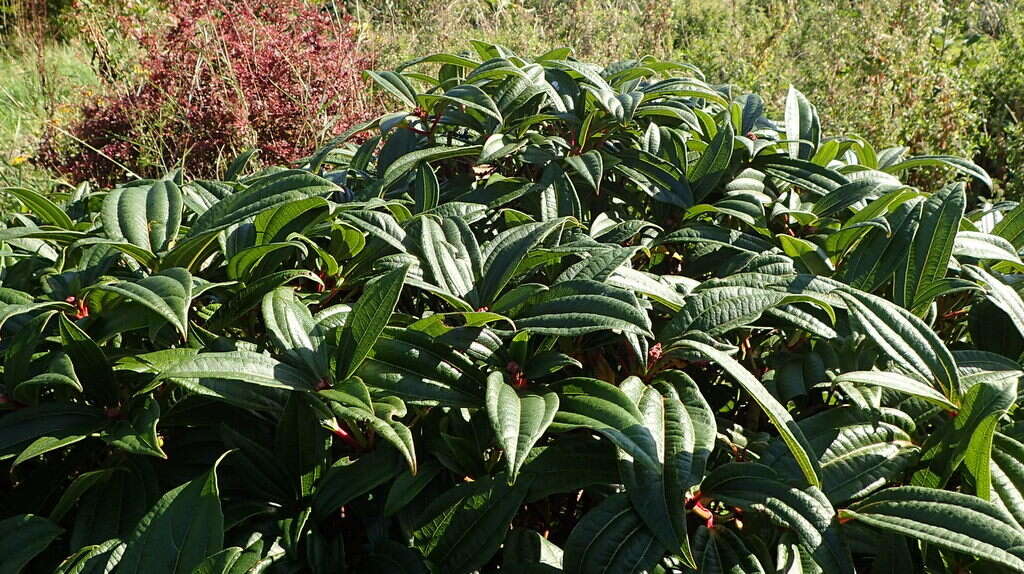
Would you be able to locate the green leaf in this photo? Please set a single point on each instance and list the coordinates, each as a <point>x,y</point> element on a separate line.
<point>91,559</point>
<point>713,163</point>
<point>958,163</point>
<point>449,254</point>
<point>410,161</point>
<point>396,85</point>
<point>589,166</point>
<point>779,416</point>
<point>1007,472</point>
<point>858,452</point>
<point>932,247</point>
<point>605,409</point>
<point>136,432</point>
<point>462,529</point>
<point>23,537</point>
<point>1011,227</point>
<point>421,370</point>
<point>184,527</point>
<point>851,193</point>
<point>811,256</point>
<point>146,216</point>
<point>897,382</point>
<point>47,211</point>
<point>366,322</point>
<point>656,494</point>
<point>717,310</point>
<point>503,254</point>
<point>989,398</point>
<point>950,520</point>
<point>91,366</point>
<point>611,538</point>
<point>905,338</point>
<point>718,549</point>
<point>519,421</point>
<point>802,174</point>
<point>349,479</point>
<point>427,190</point>
<point>1002,295</point>
<point>251,295</point>
<point>581,306</point>
<point>806,512</point>
<point>241,366</point>
<point>294,331</point>
<point>301,445</point>
<point>47,426</point>
<point>977,245</point>
<point>803,130</point>
<point>168,294</point>
<point>265,193</point>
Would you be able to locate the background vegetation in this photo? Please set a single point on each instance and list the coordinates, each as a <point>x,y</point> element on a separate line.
<point>940,76</point>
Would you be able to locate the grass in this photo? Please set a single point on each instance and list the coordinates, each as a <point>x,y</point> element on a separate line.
<point>37,91</point>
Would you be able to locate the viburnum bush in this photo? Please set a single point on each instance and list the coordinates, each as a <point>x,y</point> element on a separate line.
<point>549,317</point>
<point>279,75</point>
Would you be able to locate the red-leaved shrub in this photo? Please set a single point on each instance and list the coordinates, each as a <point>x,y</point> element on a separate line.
<point>280,75</point>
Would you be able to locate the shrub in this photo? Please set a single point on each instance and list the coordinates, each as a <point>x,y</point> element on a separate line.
<point>278,75</point>
<point>894,74</point>
<point>547,317</point>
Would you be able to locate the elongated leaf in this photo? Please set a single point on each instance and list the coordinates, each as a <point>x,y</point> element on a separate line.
<point>47,211</point>
<point>168,294</point>
<point>503,254</point>
<point>409,161</point>
<point>930,251</point>
<point>518,421</point>
<point>1011,227</point>
<point>91,365</point>
<point>1007,471</point>
<point>977,245</point>
<point>241,366</point>
<point>368,318</point>
<point>719,549</point>
<point>581,306</point>
<point>427,189</point>
<point>294,331</point>
<point>349,479</point>
<point>604,408</point>
<point>420,370</point>
<point>951,520</point>
<point>1002,295</point>
<point>803,130</point>
<point>905,338</point>
<point>266,193</point>
<point>22,537</point>
<point>184,527</point>
<point>396,85</point>
<point>611,538</point>
<point>755,487</point>
<point>53,423</point>
<point>713,164</point>
<point>960,164</point>
<point>780,417</point>
<point>897,382</point>
<point>147,216</point>
<point>463,529</point>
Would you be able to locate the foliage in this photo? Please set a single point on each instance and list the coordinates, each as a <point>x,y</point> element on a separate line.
<point>1002,80</point>
<point>548,317</point>
<point>909,73</point>
<point>279,75</point>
